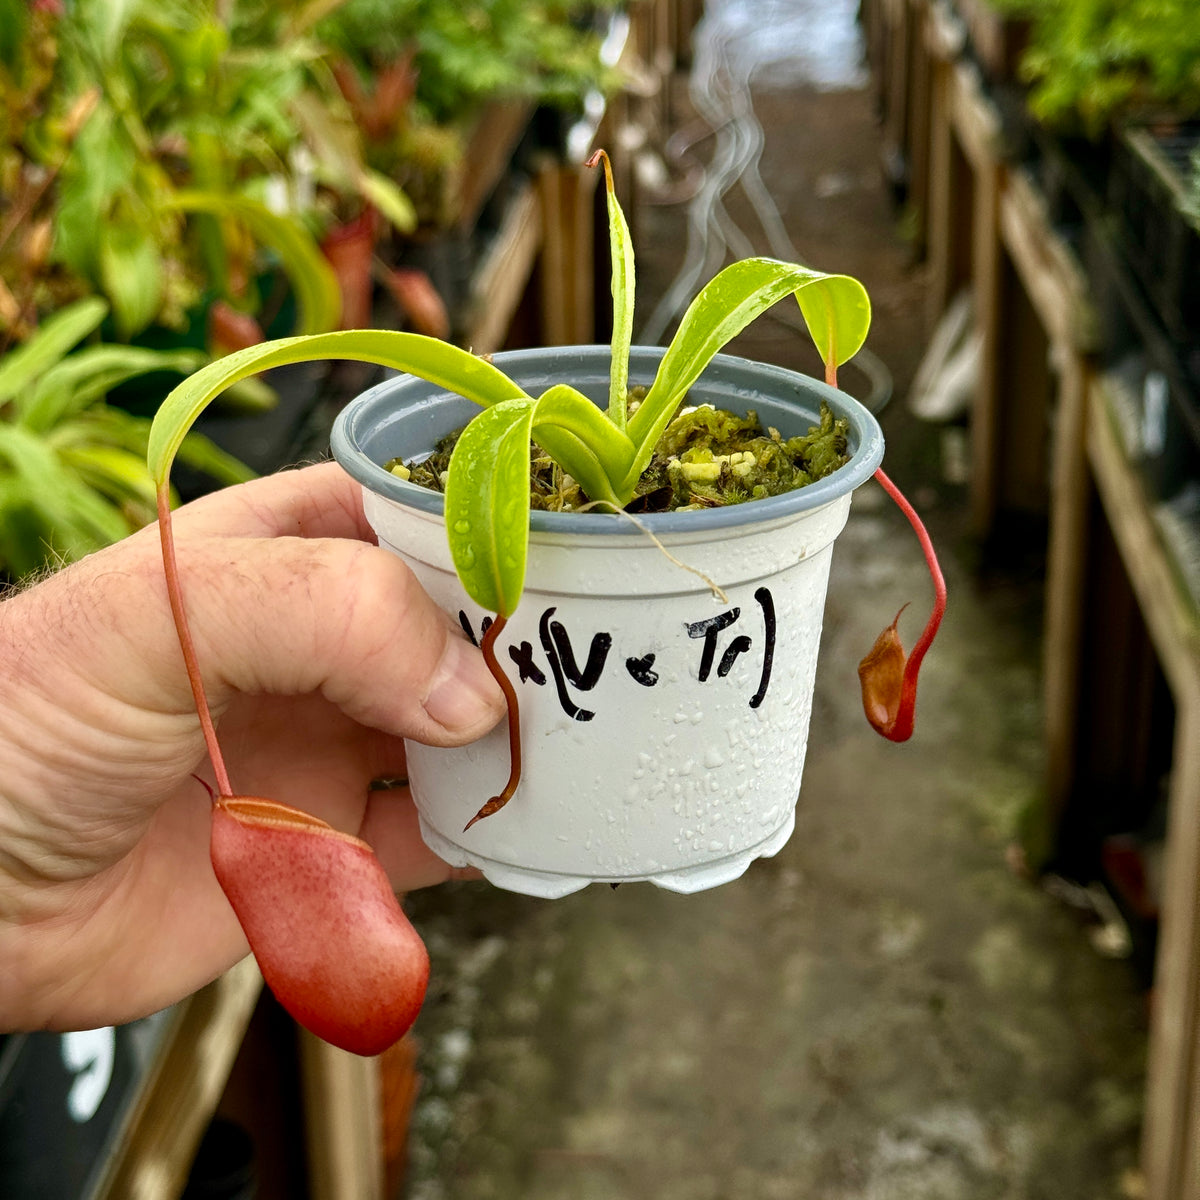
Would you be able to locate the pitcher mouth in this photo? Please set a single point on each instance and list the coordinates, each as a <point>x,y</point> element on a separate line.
<point>404,415</point>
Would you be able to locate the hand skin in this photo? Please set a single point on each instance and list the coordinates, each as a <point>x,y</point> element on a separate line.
<point>319,651</point>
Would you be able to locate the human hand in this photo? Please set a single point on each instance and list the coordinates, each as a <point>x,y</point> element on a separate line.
<point>319,651</point>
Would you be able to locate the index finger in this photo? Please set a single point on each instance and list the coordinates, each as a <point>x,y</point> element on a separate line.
<point>310,502</point>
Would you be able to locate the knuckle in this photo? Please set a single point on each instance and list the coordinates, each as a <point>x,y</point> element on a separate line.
<point>384,607</point>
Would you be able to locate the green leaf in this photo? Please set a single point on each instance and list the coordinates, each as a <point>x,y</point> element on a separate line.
<point>131,275</point>
<point>250,396</point>
<point>205,455</point>
<point>436,361</point>
<point>74,520</point>
<point>23,540</point>
<point>102,424</point>
<point>583,441</point>
<point>109,21</point>
<point>389,198</point>
<point>48,345</point>
<point>113,472</point>
<point>487,504</point>
<point>88,375</point>
<point>835,307</point>
<point>318,296</point>
<point>100,168</point>
<point>14,21</point>
<point>115,428</point>
<point>487,491</point>
<point>620,244</point>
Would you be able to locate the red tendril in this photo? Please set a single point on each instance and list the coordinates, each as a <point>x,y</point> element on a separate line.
<point>186,644</point>
<point>488,646</point>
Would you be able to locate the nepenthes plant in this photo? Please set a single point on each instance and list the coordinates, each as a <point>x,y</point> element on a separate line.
<point>281,868</point>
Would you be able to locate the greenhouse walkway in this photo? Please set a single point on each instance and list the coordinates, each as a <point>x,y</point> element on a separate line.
<point>887,1009</point>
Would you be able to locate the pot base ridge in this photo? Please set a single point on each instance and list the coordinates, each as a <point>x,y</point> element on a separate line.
<point>550,885</point>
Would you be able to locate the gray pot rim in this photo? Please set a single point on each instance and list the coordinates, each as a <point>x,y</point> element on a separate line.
<point>366,410</point>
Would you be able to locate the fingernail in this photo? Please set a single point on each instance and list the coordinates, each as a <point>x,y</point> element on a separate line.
<point>463,694</point>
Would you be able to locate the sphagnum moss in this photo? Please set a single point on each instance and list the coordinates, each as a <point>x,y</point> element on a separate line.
<point>706,458</point>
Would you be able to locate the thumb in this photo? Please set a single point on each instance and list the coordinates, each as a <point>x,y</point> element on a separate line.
<point>292,616</point>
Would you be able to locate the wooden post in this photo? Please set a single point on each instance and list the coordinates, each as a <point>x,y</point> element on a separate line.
<point>685,15</point>
<point>662,56</point>
<point>874,26</point>
<point>1053,309</point>
<point>1067,557</point>
<point>896,101</point>
<point>940,192</point>
<point>568,255</point>
<point>950,187</point>
<point>343,1122</point>
<point>975,182</point>
<point>1057,292</point>
<point>921,70</point>
<point>181,1093</point>
<point>991,295</point>
<point>503,276</point>
<point>1171,1129</point>
<point>1177,990</point>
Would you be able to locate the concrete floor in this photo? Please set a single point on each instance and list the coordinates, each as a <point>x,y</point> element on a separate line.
<point>883,1011</point>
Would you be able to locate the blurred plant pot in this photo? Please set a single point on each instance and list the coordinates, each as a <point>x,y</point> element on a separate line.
<point>663,728</point>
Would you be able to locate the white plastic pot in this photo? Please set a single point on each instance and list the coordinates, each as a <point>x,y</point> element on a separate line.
<point>663,729</point>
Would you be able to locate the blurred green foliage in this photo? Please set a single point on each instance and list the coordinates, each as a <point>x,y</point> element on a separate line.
<point>73,473</point>
<point>464,52</point>
<point>1092,63</point>
<point>167,162</point>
